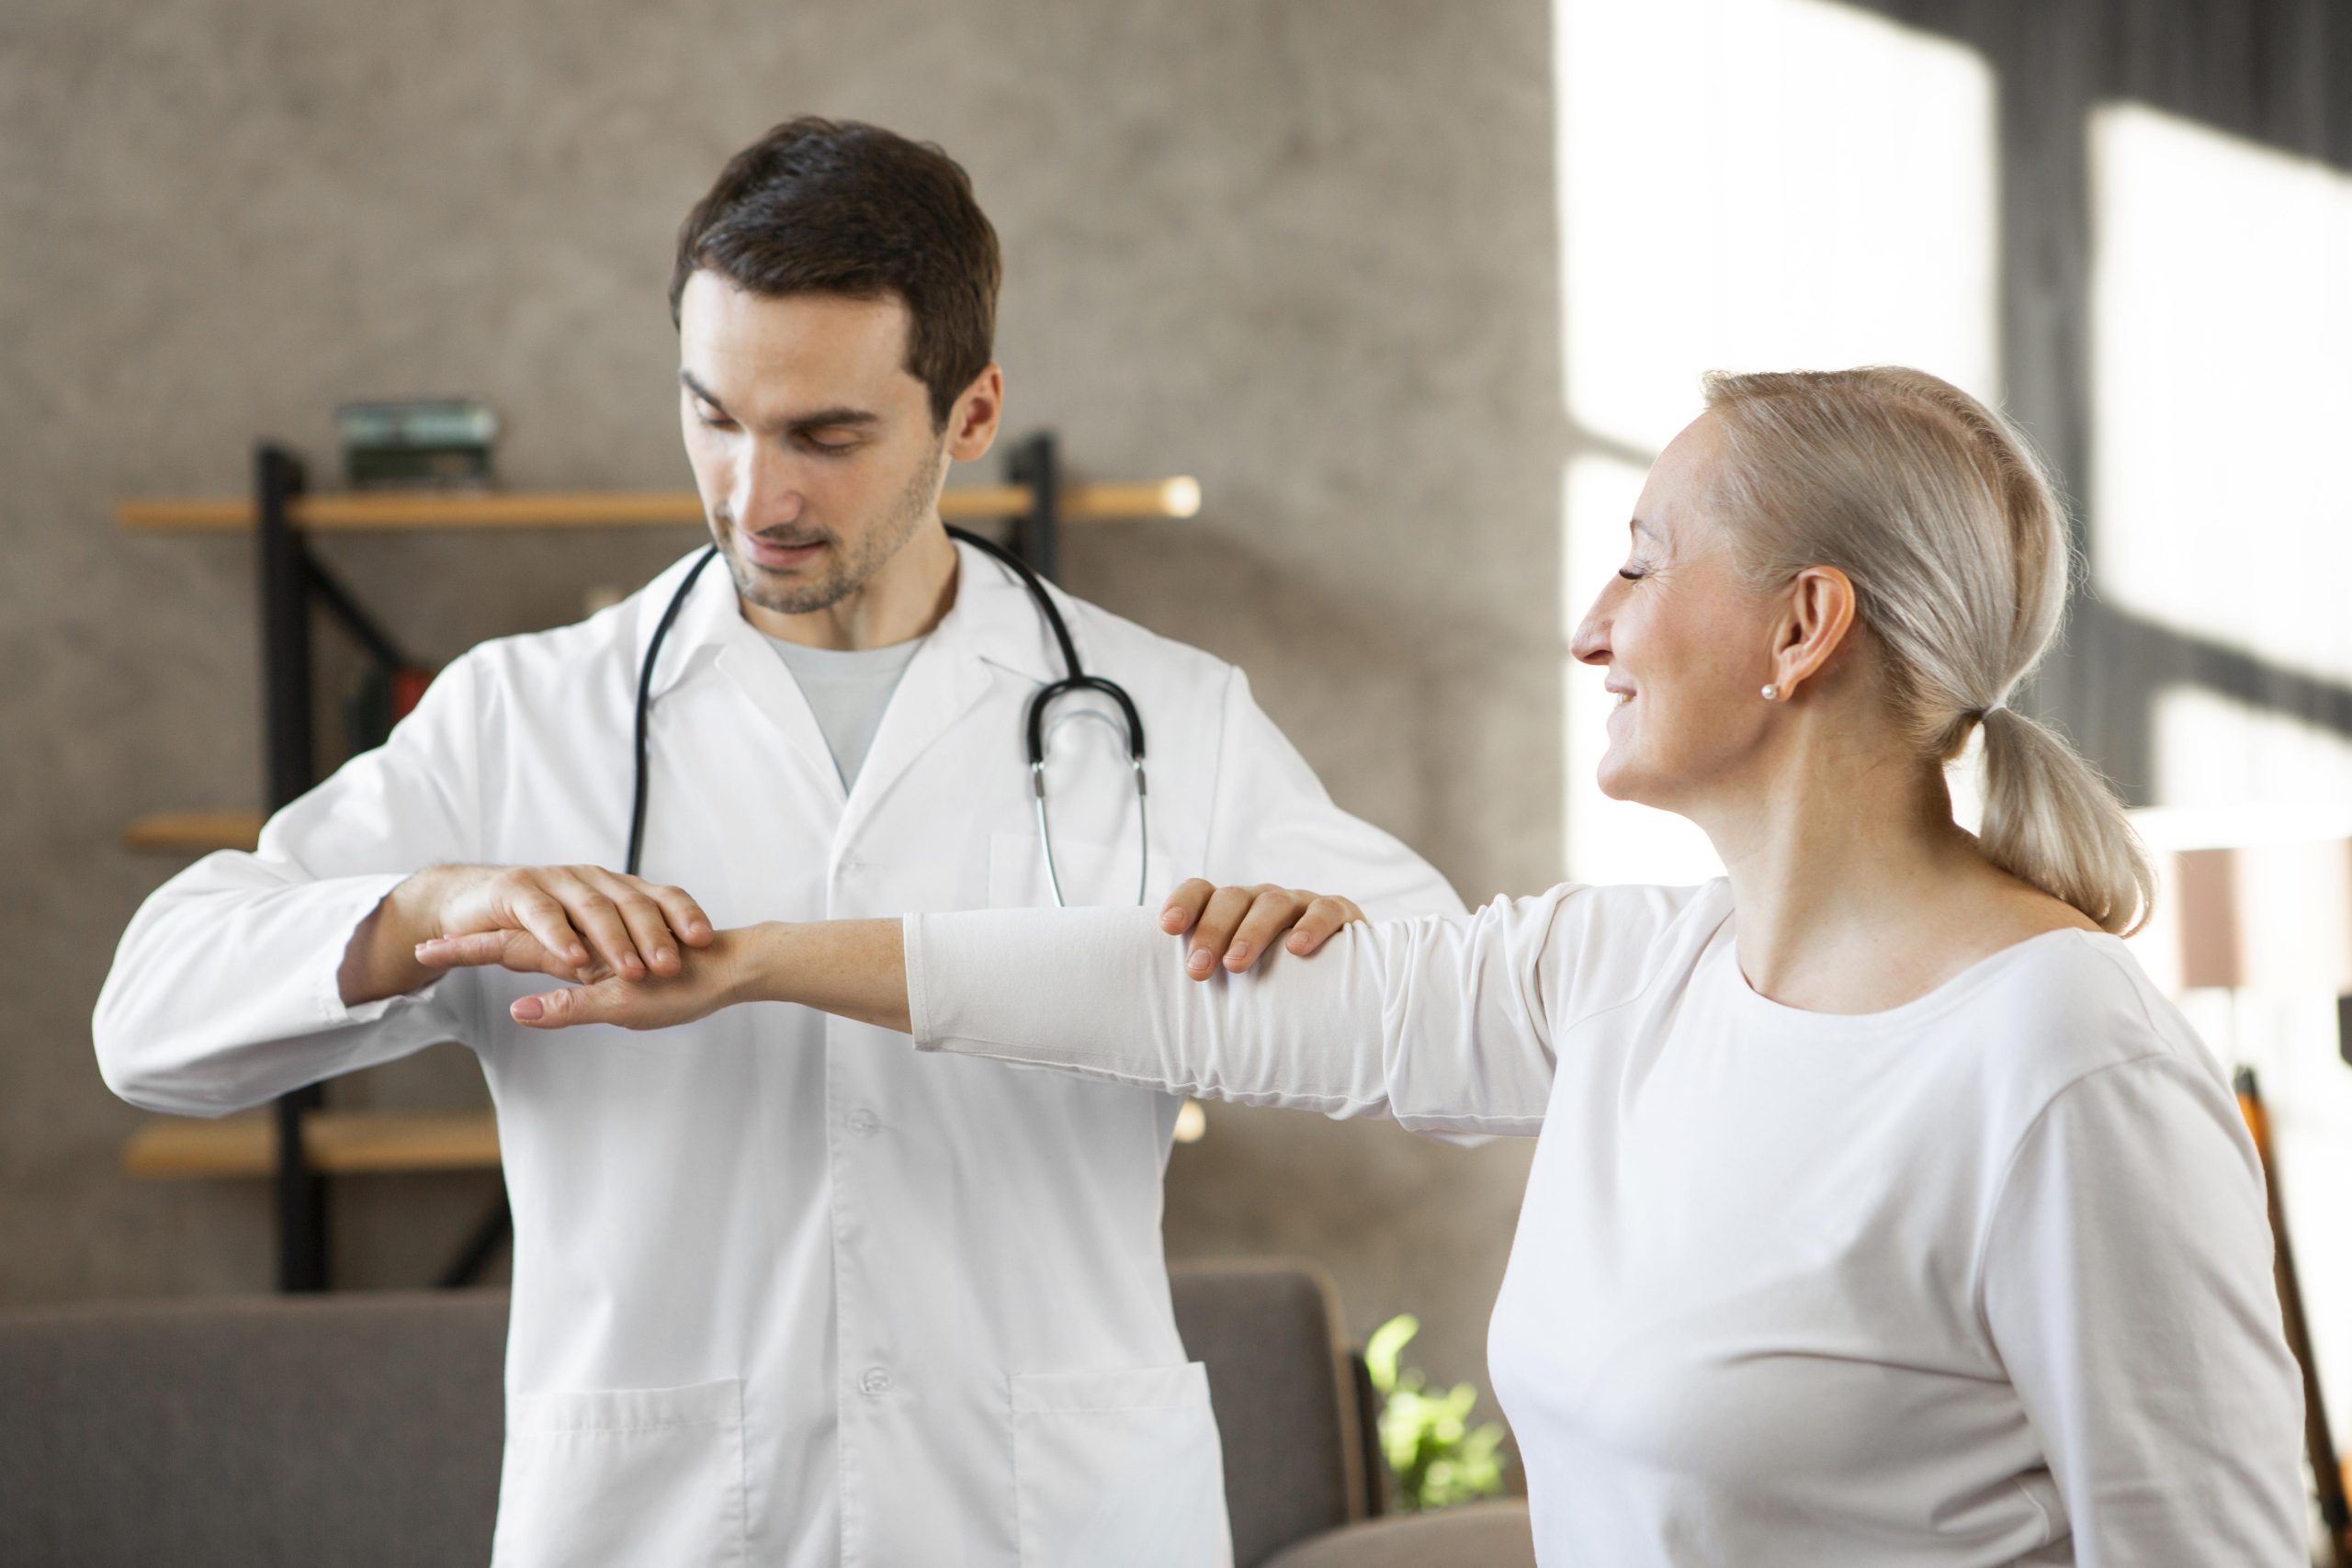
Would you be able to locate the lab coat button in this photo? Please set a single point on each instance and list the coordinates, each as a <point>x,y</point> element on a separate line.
<point>864,1122</point>
<point>873,1381</point>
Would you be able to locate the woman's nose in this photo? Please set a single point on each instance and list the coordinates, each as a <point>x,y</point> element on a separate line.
<point>1590,644</point>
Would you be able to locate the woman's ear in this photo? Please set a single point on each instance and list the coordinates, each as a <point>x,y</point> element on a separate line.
<point>1820,612</point>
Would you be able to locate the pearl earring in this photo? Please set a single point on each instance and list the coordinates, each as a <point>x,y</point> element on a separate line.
<point>1772,693</point>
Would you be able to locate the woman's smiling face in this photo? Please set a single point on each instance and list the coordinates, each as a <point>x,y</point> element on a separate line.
<point>1686,644</point>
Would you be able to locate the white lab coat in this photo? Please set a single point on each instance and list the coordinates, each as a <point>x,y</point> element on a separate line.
<point>786,1291</point>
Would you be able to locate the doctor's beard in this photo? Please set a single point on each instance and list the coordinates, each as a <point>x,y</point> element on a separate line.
<point>851,568</point>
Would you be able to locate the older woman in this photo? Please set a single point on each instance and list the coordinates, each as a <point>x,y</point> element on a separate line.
<point>1882,1212</point>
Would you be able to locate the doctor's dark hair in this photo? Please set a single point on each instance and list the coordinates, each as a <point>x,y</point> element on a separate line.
<point>1952,531</point>
<point>836,207</point>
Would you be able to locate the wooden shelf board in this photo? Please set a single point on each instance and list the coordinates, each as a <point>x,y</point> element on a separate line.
<point>377,511</point>
<point>339,1143</point>
<point>199,831</point>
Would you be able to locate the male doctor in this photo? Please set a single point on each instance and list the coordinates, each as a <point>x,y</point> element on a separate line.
<point>779,1296</point>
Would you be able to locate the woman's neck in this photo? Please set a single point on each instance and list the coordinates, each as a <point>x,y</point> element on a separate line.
<point>1854,889</point>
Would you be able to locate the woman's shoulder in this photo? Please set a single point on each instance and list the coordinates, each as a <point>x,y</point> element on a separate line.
<point>1627,917</point>
<point>1603,943</point>
<point>2064,1004</point>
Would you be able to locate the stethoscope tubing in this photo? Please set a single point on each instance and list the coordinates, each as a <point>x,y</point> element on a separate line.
<point>1035,732</point>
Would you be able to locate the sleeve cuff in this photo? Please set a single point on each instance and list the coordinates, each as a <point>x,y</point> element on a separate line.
<point>918,1005</point>
<point>365,895</point>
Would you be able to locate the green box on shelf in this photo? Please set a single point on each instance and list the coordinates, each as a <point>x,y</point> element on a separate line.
<point>425,443</point>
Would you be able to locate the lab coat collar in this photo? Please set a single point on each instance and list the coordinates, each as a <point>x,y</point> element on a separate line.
<point>700,630</point>
<point>992,618</point>
<point>992,623</point>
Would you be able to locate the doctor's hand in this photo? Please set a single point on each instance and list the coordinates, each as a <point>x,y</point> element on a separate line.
<point>575,922</point>
<point>1238,924</point>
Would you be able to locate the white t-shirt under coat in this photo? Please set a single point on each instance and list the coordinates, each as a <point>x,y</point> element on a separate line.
<point>848,690</point>
<point>1981,1279</point>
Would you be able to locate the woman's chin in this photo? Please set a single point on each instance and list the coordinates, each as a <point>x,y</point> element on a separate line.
<point>1615,777</point>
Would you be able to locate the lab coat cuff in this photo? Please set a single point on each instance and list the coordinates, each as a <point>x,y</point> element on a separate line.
<point>918,1004</point>
<point>357,899</point>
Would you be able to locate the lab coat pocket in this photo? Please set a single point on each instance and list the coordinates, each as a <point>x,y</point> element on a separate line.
<point>1119,1469</point>
<point>623,1476</point>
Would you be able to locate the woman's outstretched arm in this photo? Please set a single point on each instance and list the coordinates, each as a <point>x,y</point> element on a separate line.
<point>1438,1021</point>
<point>1441,1022</point>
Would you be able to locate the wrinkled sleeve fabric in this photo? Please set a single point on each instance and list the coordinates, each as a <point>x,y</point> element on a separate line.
<point>1443,1022</point>
<point>1272,820</point>
<point>2127,1280</point>
<point>223,994</point>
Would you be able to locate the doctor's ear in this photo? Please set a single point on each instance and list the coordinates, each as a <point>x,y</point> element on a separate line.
<point>972,423</point>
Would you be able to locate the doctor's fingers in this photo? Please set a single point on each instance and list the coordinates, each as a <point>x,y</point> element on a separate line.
<point>647,922</point>
<point>657,919</point>
<point>523,901</point>
<point>1184,905</point>
<point>1308,916</point>
<point>685,917</point>
<point>1321,921</point>
<point>510,948</point>
<point>1213,935</point>
<point>626,929</point>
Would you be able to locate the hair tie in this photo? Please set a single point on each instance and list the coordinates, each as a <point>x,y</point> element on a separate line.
<point>1984,714</point>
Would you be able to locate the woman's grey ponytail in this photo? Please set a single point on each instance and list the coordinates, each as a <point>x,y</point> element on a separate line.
<point>2052,820</point>
<point>1947,523</point>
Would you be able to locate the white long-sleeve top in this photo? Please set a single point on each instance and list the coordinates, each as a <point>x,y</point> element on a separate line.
<point>1984,1278</point>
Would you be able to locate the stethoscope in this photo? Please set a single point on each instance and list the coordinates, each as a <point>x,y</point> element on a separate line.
<point>1035,728</point>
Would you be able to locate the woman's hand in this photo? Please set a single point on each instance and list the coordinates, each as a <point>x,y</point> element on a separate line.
<point>1238,924</point>
<point>708,978</point>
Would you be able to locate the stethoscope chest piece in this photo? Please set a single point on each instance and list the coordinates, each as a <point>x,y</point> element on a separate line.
<point>1040,735</point>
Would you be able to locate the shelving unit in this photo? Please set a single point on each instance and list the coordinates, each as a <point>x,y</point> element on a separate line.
<point>334,1143</point>
<point>370,512</point>
<point>300,1142</point>
<point>170,832</point>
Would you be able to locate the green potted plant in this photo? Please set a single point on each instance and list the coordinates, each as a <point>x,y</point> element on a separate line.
<point>1438,1458</point>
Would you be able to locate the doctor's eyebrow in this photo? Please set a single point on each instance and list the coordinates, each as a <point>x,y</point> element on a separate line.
<point>819,419</point>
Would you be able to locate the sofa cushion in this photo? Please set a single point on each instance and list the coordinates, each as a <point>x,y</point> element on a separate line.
<point>1482,1535</point>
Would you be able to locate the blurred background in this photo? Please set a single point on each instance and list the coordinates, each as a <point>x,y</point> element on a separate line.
<point>1415,289</point>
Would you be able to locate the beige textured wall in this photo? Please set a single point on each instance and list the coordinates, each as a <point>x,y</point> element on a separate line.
<point>1305,251</point>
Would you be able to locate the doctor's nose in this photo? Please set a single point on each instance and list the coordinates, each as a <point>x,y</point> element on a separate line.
<point>765,492</point>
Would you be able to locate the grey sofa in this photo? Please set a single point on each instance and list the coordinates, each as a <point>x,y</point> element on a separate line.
<point>348,1431</point>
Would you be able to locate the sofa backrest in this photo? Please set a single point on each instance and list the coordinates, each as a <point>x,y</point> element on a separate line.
<point>1286,1400</point>
<point>361,1429</point>
<point>344,1430</point>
